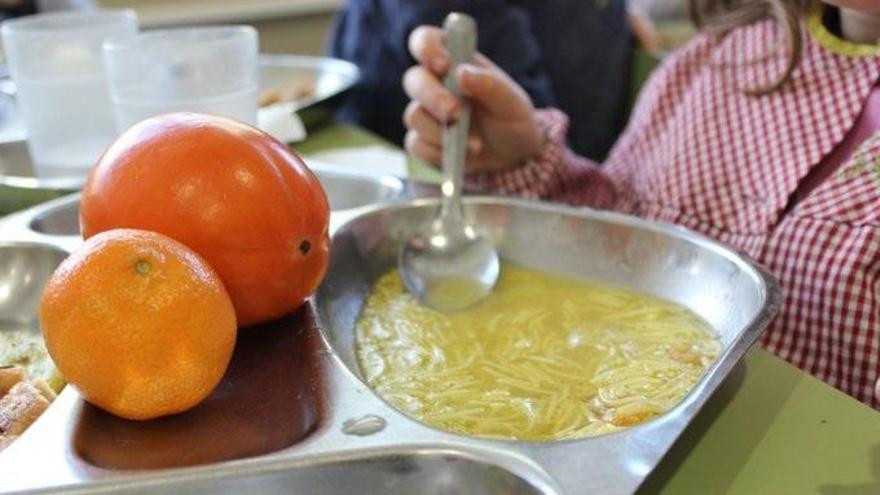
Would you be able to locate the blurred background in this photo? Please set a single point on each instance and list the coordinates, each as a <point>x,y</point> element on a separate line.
<point>303,26</point>
<point>588,58</point>
<point>285,26</point>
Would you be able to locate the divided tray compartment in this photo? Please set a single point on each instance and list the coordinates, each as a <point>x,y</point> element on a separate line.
<point>59,220</point>
<point>270,398</point>
<point>345,190</point>
<point>285,417</point>
<point>25,268</point>
<point>737,298</point>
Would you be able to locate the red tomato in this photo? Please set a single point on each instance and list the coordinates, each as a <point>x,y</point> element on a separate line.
<point>232,193</point>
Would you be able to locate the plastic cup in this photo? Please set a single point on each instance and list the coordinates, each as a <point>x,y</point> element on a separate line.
<point>56,62</point>
<point>203,69</point>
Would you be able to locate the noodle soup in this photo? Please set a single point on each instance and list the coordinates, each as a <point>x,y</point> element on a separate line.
<point>542,358</point>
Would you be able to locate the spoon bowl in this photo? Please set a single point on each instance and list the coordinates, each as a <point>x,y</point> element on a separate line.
<point>450,265</point>
<point>449,270</point>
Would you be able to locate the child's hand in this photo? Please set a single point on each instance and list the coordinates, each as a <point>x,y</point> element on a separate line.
<point>503,133</point>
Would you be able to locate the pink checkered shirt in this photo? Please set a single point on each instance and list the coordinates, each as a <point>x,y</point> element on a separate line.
<point>701,153</point>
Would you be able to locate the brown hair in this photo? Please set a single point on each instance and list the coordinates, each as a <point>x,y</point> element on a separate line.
<point>722,16</point>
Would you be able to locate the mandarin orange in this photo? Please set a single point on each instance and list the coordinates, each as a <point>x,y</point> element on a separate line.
<point>138,323</point>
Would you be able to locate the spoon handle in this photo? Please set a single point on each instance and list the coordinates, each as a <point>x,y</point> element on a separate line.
<point>460,40</point>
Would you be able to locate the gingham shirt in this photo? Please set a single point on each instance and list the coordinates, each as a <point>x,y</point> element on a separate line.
<point>702,153</point>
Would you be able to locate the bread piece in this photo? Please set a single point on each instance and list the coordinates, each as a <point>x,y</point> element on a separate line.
<point>297,90</point>
<point>9,376</point>
<point>45,389</point>
<point>269,97</point>
<point>6,441</point>
<point>20,407</point>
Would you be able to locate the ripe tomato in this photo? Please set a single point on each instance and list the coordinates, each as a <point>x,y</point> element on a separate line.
<point>232,193</point>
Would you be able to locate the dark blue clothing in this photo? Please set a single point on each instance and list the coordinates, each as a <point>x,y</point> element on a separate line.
<point>572,54</point>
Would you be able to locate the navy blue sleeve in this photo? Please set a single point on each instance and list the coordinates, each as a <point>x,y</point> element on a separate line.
<point>373,34</point>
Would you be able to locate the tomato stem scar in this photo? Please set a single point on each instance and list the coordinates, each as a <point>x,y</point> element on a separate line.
<point>305,246</point>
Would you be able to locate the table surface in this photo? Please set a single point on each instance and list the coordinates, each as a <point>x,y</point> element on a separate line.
<point>769,429</point>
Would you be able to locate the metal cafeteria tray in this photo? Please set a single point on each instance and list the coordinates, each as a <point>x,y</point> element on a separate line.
<point>293,416</point>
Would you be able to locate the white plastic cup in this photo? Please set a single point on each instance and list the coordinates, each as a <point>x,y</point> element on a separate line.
<point>201,69</point>
<point>56,62</point>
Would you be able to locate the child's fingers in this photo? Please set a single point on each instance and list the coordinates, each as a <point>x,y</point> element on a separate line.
<point>493,90</point>
<point>422,149</point>
<point>426,46</point>
<point>416,118</point>
<point>481,60</point>
<point>430,129</point>
<point>433,153</point>
<point>475,142</point>
<point>424,88</point>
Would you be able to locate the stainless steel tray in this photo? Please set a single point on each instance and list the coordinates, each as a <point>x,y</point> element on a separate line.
<point>356,443</point>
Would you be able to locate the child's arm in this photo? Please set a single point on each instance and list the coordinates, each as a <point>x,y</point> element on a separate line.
<point>512,149</point>
<point>556,174</point>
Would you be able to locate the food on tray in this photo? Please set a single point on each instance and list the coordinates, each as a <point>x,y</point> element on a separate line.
<point>138,323</point>
<point>9,376</point>
<point>27,349</point>
<point>20,407</point>
<point>28,382</point>
<point>294,91</point>
<point>542,358</point>
<point>230,192</point>
<point>21,402</point>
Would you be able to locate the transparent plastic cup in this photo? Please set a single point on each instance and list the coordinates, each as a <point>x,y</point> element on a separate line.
<point>56,62</point>
<point>202,69</point>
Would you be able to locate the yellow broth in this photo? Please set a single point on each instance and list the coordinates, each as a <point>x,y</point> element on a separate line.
<point>542,358</point>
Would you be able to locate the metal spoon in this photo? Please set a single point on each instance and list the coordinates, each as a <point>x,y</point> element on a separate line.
<point>450,266</point>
